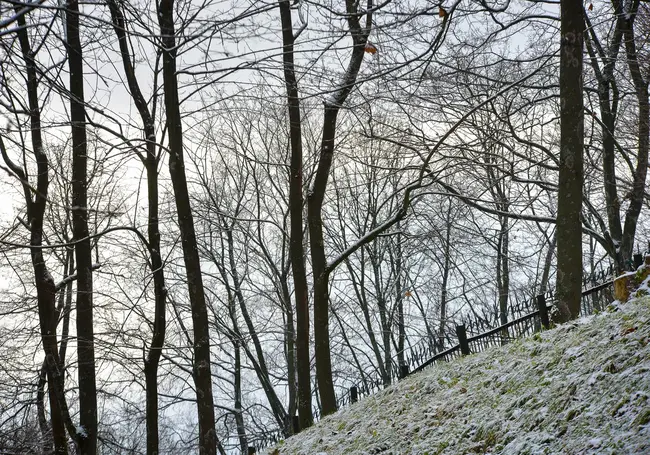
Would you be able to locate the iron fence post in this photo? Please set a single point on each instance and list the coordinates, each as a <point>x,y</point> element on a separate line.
<point>543,311</point>
<point>354,394</point>
<point>461,333</point>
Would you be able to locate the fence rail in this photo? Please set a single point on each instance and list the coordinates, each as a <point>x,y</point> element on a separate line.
<point>534,313</point>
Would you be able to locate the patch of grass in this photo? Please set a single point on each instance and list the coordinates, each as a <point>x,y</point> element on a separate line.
<point>619,405</point>
<point>643,418</point>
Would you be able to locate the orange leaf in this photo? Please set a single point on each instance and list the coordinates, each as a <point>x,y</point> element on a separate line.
<point>442,12</point>
<point>628,331</point>
<point>370,48</point>
<point>591,7</point>
<point>408,294</point>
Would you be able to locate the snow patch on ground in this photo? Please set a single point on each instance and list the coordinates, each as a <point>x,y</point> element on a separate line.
<point>581,388</point>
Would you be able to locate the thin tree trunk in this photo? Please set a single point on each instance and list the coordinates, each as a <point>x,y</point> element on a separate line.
<point>548,261</point>
<point>290,343</point>
<point>445,281</point>
<point>399,298</point>
<point>315,201</point>
<point>637,194</point>
<point>384,319</point>
<point>150,162</point>
<point>66,311</point>
<point>569,232</point>
<point>360,291</point>
<point>45,288</point>
<point>83,250</point>
<point>504,269</point>
<point>296,205</point>
<point>261,368</point>
<point>239,413</point>
<point>608,98</point>
<point>46,433</point>
<point>201,368</point>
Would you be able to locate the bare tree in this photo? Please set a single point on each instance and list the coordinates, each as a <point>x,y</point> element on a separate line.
<point>150,159</point>
<point>201,344</point>
<point>87,430</point>
<point>316,198</point>
<point>296,207</point>
<point>569,234</point>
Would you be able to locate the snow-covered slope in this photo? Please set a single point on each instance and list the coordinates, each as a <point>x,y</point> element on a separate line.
<point>582,388</point>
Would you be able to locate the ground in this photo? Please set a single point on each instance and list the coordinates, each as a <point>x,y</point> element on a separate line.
<point>581,388</point>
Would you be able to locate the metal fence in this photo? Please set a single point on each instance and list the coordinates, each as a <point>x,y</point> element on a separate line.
<point>528,315</point>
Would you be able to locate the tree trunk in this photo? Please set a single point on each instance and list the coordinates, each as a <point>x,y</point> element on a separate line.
<point>259,363</point>
<point>290,346</point>
<point>150,162</point>
<point>548,261</point>
<point>445,281</point>
<point>296,205</point>
<point>504,270</point>
<point>201,368</point>
<point>399,298</point>
<point>83,250</point>
<point>569,233</point>
<point>239,415</point>
<point>637,194</point>
<point>384,318</point>
<point>360,291</point>
<point>608,98</point>
<point>45,288</point>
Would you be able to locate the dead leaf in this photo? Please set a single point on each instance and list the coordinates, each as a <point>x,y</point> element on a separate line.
<point>628,331</point>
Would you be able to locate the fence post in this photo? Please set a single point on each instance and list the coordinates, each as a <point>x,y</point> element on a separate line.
<point>543,311</point>
<point>296,424</point>
<point>354,394</point>
<point>461,333</point>
<point>403,371</point>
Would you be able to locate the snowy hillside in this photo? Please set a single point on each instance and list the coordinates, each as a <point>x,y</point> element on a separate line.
<point>582,388</point>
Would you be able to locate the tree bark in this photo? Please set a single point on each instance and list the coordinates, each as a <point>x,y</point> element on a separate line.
<point>87,430</point>
<point>260,363</point>
<point>201,369</point>
<point>296,206</point>
<point>608,98</point>
<point>399,298</point>
<point>239,414</point>
<point>503,269</point>
<point>637,194</point>
<point>359,286</point>
<point>45,288</point>
<point>548,261</point>
<point>445,281</point>
<point>569,233</point>
<point>150,161</point>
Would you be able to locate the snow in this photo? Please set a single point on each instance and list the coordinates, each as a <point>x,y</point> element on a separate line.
<point>581,388</point>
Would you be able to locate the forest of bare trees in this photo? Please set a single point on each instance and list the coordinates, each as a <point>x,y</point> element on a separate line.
<point>216,217</point>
